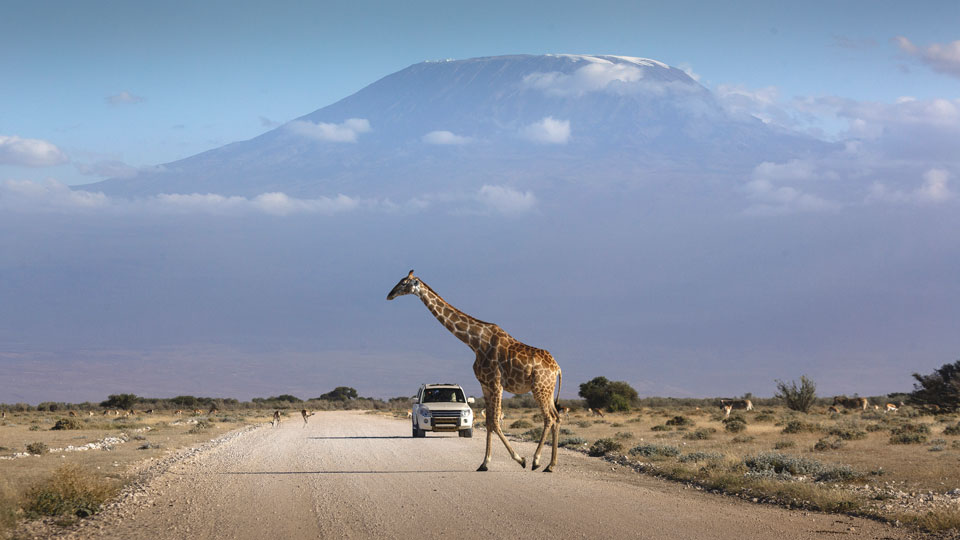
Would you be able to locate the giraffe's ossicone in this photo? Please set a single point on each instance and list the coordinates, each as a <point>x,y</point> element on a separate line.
<point>502,363</point>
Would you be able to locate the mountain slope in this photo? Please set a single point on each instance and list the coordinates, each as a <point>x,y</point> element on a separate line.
<point>526,118</point>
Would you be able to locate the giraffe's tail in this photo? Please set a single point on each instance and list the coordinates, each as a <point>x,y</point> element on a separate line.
<point>556,401</point>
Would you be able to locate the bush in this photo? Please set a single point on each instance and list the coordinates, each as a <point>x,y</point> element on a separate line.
<point>535,434</point>
<point>734,424</point>
<point>70,491</point>
<point>37,448</point>
<point>799,426</point>
<point>623,435</point>
<point>952,430</point>
<point>340,393</point>
<point>680,421</point>
<point>779,445</point>
<point>827,444</point>
<point>909,434</point>
<point>67,423</point>
<point>697,457</point>
<point>940,390</point>
<point>661,428</point>
<point>120,401</point>
<point>653,450</point>
<point>200,427</point>
<point>601,393</point>
<point>797,399</point>
<point>740,439</point>
<point>786,466</point>
<point>700,434</point>
<point>847,433</point>
<point>521,424</point>
<point>603,446</point>
<point>571,441</point>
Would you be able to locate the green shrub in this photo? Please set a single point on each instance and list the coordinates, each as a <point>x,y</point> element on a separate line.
<point>784,444</point>
<point>200,427</point>
<point>952,430</point>
<point>623,435</point>
<point>571,441</point>
<point>783,465</point>
<point>67,423</point>
<point>37,448</point>
<point>827,444</point>
<point>799,426</point>
<point>909,434</point>
<point>847,433</point>
<point>680,421</point>
<point>939,390</point>
<point>584,424</point>
<point>71,490</point>
<point>534,434</point>
<point>653,450</point>
<point>521,424</point>
<point>740,439</point>
<point>700,434</point>
<point>603,446</point>
<point>661,427</point>
<point>797,398</point>
<point>734,424</point>
<point>697,457</point>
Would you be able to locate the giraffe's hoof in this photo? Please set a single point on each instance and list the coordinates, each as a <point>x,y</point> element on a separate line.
<point>535,466</point>
<point>523,463</point>
<point>482,467</point>
<point>548,469</point>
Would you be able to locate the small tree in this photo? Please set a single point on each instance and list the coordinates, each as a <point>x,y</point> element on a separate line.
<point>120,401</point>
<point>340,393</point>
<point>601,393</point>
<point>940,389</point>
<point>797,399</point>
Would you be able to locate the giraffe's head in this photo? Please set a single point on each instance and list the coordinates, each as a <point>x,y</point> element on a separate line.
<point>407,285</point>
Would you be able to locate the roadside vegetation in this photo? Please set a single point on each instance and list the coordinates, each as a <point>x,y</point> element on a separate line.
<point>795,449</point>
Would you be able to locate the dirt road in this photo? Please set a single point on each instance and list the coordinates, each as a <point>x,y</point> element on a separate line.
<point>356,475</point>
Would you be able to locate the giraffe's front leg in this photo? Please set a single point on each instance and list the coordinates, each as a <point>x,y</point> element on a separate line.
<point>493,426</point>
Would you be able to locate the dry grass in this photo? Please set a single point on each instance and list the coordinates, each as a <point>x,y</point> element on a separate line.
<point>859,454</point>
<point>71,490</point>
<point>34,485</point>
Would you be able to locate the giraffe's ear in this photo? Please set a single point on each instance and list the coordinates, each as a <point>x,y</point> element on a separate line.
<point>410,275</point>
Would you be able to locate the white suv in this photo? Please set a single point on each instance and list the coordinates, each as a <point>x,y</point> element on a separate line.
<point>442,407</point>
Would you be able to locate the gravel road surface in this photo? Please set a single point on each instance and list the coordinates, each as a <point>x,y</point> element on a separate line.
<point>357,475</point>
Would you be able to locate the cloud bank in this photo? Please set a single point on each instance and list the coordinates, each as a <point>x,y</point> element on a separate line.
<point>346,131</point>
<point>445,138</point>
<point>124,98</point>
<point>547,131</point>
<point>29,152</point>
<point>942,58</point>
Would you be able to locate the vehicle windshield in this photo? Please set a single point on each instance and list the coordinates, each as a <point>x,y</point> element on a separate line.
<point>443,395</point>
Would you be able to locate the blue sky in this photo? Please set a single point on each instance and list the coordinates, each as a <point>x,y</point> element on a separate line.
<point>840,265</point>
<point>130,84</point>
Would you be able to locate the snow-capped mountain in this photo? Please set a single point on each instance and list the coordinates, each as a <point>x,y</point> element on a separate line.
<point>530,119</point>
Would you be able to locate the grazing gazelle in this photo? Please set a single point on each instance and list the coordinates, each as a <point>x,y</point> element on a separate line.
<point>502,363</point>
<point>730,404</point>
<point>305,414</point>
<point>276,418</point>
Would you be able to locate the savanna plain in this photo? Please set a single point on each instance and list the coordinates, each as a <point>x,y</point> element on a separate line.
<point>65,463</point>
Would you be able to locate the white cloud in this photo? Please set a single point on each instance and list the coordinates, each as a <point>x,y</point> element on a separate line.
<point>761,103</point>
<point>445,138</point>
<point>943,58</point>
<point>506,200</point>
<point>934,189</point>
<point>592,77</point>
<point>547,131</point>
<point>123,98</point>
<point>347,131</point>
<point>771,198</point>
<point>49,195</point>
<point>29,152</point>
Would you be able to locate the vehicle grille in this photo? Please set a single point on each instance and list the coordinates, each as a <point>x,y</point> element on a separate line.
<point>446,419</point>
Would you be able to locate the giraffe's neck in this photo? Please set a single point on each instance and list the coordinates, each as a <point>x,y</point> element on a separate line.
<point>466,328</point>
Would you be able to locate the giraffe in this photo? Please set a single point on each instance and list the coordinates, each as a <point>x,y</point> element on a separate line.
<point>502,363</point>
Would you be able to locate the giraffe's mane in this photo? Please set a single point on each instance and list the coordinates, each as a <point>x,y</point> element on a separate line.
<point>471,318</point>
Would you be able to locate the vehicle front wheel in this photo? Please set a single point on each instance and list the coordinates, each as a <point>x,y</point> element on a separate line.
<point>468,433</point>
<point>418,433</point>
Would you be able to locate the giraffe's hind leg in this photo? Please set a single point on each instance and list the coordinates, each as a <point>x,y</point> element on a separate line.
<point>493,399</point>
<point>551,423</point>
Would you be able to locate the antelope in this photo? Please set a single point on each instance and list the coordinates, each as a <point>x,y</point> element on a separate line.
<point>89,413</point>
<point>410,413</point>
<point>892,408</point>
<point>833,409</point>
<point>276,418</point>
<point>305,415</point>
<point>197,412</point>
<point>72,413</point>
<point>214,410</point>
<point>730,404</point>
<point>596,412</point>
<point>565,411</point>
<point>148,411</point>
<point>178,412</point>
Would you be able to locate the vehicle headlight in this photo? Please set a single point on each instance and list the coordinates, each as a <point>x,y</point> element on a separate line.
<point>425,413</point>
<point>466,413</point>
